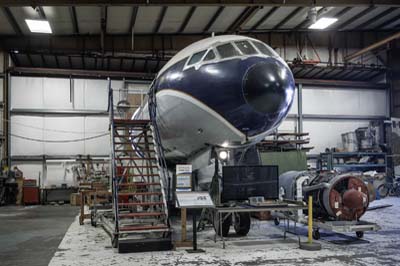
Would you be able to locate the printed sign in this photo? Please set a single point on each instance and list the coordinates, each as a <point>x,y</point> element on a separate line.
<point>183,177</point>
<point>193,200</point>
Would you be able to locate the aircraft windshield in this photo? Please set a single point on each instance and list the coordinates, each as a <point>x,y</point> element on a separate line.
<point>245,47</point>
<point>227,50</point>
<point>264,49</point>
<point>196,57</point>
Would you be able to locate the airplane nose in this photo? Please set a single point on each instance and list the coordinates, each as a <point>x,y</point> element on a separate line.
<point>268,86</point>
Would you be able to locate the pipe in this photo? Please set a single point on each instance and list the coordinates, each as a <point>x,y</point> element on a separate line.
<point>316,187</point>
<point>372,46</point>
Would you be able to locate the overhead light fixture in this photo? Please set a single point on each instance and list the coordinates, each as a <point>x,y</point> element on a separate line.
<point>323,23</point>
<point>38,26</point>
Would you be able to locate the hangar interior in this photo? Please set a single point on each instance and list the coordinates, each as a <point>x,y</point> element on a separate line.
<point>57,127</point>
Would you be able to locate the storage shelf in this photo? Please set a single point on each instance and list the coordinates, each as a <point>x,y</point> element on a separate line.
<point>359,165</point>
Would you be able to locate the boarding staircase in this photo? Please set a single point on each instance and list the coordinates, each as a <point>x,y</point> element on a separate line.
<point>138,185</point>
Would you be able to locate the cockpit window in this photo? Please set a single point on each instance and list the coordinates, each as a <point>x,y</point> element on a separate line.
<point>210,56</point>
<point>245,47</point>
<point>196,57</point>
<point>227,50</point>
<point>265,49</point>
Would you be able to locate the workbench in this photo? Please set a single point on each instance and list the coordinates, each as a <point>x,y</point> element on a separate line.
<point>279,206</point>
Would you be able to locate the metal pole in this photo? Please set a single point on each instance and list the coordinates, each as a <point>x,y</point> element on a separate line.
<point>300,107</point>
<point>310,219</point>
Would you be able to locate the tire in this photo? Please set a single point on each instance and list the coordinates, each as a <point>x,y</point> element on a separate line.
<point>397,191</point>
<point>316,235</point>
<point>383,191</point>
<point>277,221</point>
<point>242,223</point>
<point>360,234</point>
<point>226,224</point>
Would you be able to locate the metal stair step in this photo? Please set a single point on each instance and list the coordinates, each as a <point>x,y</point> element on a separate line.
<point>139,184</point>
<point>139,194</point>
<point>136,158</point>
<point>137,175</point>
<point>129,204</point>
<point>131,122</point>
<point>142,227</point>
<point>138,167</point>
<point>140,214</point>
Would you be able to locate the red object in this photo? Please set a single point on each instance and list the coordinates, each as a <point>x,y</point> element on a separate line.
<point>31,195</point>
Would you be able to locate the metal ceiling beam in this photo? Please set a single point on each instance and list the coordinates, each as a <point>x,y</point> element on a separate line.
<point>265,17</point>
<point>375,18</point>
<point>243,18</point>
<point>387,22</point>
<point>288,17</point>
<point>213,19</point>
<point>354,18</point>
<point>373,46</point>
<point>11,19</point>
<point>103,26</point>
<point>78,73</point>
<point>187,19</point>
<point>341,83</point>
<point>74,19</point>
<point>196,2</point>
<point>160,19</point>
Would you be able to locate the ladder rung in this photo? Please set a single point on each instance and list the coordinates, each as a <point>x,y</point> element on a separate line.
<point>142,227</point>
<point>141,204</point>
<point>139,184</point>
<point>129,121</point>
<point>132,136</point>
<point>135,175</point>
<point>139,193</point>
<point>138,167</point>
<point>140,214</point>
<point>143,151</point>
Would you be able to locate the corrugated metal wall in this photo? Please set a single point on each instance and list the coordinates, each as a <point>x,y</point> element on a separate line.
<point>80,95</point>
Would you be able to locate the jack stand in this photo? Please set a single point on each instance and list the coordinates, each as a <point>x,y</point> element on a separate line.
<point>310,245</point>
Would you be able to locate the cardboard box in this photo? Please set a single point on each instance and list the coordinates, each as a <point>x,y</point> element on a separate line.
<point>75,199</point>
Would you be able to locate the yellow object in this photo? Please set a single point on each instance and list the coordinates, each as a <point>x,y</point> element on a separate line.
<point>310,219</point>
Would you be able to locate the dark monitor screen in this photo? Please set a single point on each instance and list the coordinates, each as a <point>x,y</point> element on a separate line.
<point>242,182</point>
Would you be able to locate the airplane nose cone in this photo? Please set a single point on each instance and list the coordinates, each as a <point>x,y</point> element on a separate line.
<point>268,86</point>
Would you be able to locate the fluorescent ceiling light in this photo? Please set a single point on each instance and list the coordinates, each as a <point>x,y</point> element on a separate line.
<point>323,23</point>
<point>38,26</point>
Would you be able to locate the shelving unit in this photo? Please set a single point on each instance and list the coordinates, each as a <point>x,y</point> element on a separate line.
<point>350,161</point>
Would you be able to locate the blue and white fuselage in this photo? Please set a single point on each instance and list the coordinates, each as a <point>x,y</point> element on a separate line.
<point>225,91</point>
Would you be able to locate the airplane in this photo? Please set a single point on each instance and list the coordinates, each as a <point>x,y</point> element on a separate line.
<point>216,99</point>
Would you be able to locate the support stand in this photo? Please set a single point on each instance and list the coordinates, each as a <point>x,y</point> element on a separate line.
<point>194,250</point>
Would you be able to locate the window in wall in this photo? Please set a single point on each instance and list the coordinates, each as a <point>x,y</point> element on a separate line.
<point>245,47</point>
<point>227,50</point>
<point>196,57</point>
<point>210,56</point>
<point>265,49</point>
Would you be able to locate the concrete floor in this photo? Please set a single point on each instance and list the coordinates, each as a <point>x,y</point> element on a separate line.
<point>86,245</point>
<point>31,235</point>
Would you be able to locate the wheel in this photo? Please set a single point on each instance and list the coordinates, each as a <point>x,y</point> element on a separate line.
<point>360,234</point>
<point>226,224</point>
<point>315,234</point>
<point>277,221</point>
<point>397,191</point>
<point>114,241</point>
<point>383,190</point>
<point>242,223</point>
<point>93,221</point>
